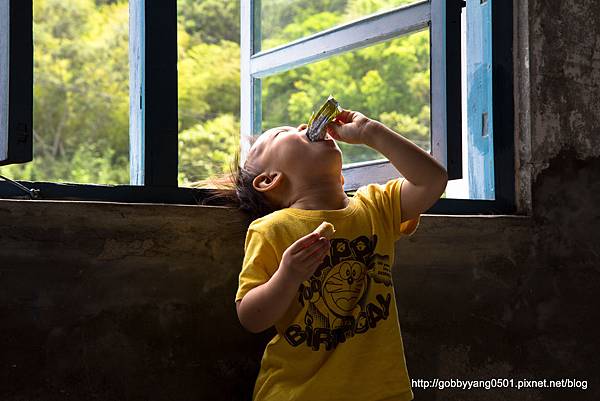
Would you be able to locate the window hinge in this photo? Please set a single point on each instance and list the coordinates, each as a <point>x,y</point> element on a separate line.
<point>33,193</point>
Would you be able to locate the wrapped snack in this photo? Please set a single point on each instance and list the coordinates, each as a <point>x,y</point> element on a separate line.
<point>325,230</point>
<point>316,125</point>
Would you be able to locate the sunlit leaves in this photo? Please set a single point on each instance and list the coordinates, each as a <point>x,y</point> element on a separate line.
<point>205,148</point>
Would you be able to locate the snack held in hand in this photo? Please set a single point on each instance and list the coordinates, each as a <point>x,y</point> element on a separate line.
<point>325,230</point>
<point>316,125</point>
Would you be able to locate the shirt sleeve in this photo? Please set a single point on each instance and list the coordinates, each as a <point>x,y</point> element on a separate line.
<point>259,265</point>
<point>387,199</point>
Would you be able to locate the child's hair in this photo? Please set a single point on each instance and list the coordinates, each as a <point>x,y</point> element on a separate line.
<point>235,188</point>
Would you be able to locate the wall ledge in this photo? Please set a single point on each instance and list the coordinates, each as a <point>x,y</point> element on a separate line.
<point>10,203</point>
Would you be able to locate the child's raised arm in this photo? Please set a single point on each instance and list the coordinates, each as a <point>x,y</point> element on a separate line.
<point>426,177</point>
<point>264,305</point>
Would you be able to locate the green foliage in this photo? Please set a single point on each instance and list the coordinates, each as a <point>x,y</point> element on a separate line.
<point>81,88</point>
<point>210,21</point>
<point>277,16</point>
<point>285,21</point>
<point>305,26</point>
<point>209,82</point>
<point>205,149</point>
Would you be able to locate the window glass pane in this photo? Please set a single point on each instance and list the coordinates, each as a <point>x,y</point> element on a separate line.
<point>283,21</point>
<point>208,39</point>
<point>388,82</point>
<point>477,117</point>
<point>81,93</point>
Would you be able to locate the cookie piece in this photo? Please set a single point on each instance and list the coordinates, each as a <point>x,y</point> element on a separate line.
<point>325,230</point>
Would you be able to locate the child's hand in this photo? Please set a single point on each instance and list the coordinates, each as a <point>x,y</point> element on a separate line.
<point>350,127</point>
<point>302,258</point>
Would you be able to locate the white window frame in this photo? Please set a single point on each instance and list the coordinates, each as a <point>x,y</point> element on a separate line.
<point>367,31</point>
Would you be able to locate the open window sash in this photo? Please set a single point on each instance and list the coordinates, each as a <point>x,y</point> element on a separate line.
<point>443,18</point>
<point>16,81</point>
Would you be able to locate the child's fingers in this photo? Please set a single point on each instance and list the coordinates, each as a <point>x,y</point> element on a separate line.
<point>319,255</point>
<point>315,249</point>
<point>304,242</point>
<point>344,116</point>
<point>331,130</point>
<point>312,261</point>
<point>324,251</point>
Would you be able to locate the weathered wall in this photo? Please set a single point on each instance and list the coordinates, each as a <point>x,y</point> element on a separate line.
<point>135,302</point>
<point>121,302</point>
<point>528,311</point>
<point>517,301</point>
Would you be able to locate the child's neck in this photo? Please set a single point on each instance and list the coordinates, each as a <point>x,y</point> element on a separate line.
<point>322,201</point>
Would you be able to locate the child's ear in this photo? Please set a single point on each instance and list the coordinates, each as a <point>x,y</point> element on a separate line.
<point>264,182</point>
<point>342,175</point>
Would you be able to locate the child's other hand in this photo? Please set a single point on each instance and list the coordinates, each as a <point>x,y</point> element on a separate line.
<point>350,127</point>
<point>301,259</point>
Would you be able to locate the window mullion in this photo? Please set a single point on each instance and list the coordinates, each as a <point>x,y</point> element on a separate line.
<point>446,114</point>
<point>136,92</point>
<point>503,104</point>
<point>246,84</point>
<point>153,97</point>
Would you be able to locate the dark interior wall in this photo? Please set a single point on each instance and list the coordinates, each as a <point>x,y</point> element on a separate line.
<point>121,302</point>
<point>135,302</point>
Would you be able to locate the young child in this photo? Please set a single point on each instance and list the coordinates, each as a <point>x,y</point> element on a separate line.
<point>332,302</point>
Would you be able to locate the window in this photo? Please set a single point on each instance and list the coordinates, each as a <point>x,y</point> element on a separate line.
<point>377,63</point>
<point>398,61</point>
<point>106,74</point>
<point>404,55</point>
<point>81,93</point>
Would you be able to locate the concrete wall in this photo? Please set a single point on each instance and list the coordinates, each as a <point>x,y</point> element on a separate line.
<point>103,301</point>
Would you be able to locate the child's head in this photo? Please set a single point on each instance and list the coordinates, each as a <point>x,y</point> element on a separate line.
<point>281,163</point>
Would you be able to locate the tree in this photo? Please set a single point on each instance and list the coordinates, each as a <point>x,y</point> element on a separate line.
<point>205,149</point>
<point>210,21</point>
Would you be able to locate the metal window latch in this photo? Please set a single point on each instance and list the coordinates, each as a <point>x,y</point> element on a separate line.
<point>33,193</point>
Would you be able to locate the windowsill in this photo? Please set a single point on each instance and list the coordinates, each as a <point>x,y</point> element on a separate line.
<point>174,207</point>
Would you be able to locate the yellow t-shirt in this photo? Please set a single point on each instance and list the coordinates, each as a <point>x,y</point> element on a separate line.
<point>340,338</point>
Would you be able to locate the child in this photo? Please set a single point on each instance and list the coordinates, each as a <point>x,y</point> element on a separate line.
<point>332,302</point>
